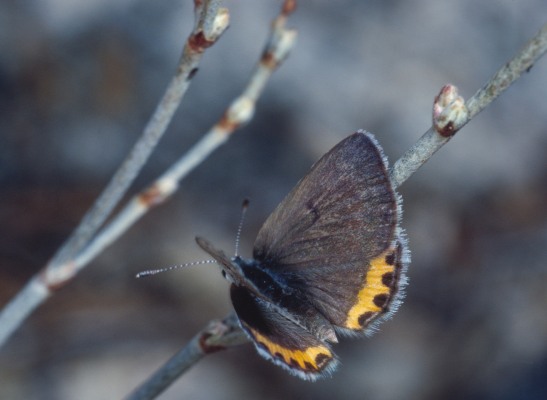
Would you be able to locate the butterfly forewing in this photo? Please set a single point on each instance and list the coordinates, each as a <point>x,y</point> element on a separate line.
<point>331,235</point>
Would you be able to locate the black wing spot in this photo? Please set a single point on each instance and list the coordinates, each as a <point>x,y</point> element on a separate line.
<point>321,359</point>
<point>293,363</point>
<point>388,279</point>
<point>390,259</point>
<point>365,317</point>
<point>380,300</point>
<point>309,366</point>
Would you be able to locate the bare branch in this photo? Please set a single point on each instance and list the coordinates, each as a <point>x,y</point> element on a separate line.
<point>239,112</point>
<point>211,22</point>
<point>433,140</point>
<point>218,335</point>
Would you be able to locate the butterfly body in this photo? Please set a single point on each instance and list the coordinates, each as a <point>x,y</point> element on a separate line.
<point>329,260</point>
<point>273,293</point>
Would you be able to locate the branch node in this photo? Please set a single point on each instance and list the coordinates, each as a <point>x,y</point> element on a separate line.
<point>239,113</point>
<point>55,278</point>
<point>211,24</point>
<point>288,7</point>
<point>208,338</point>
<point>449,111</point>
<point>157,193</point>
<point>198,42</point>
<point>279,48</point>
<point>220,24</point>
<point>220,335</point>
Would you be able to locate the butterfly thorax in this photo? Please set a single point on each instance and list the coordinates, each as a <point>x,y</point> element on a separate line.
<point>263,284</point>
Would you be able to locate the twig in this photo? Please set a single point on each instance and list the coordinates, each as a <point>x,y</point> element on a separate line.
<point>210,22</point>
<point>433,140</point>
<point>239,112</point>
<point>218,335</point>
<point>450,114</point>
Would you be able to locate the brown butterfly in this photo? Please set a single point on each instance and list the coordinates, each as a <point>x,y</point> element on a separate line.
<point>329,260</point>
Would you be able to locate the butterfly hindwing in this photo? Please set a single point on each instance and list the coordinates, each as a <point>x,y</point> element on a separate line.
<point>335,237</point>
<point>281,340</point>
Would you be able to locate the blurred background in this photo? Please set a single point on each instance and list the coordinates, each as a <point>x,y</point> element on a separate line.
<point>78,81</point>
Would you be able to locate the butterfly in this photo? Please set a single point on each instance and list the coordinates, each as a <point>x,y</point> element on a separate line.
<point>329,261</point>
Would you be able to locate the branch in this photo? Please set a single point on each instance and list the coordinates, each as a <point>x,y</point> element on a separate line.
<point>218,335</point>
<point>450,114</point>
<point>210,22</point>
<point>457,115</point>
<point>239,112</point>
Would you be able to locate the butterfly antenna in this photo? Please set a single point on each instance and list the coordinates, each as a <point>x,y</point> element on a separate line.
<point>151,272</point>
<point>244,207</point>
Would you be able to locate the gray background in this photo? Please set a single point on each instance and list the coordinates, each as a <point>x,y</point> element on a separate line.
<point>78,81</point>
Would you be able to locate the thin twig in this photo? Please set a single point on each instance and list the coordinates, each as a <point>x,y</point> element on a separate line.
<point>454,115</point>
<point>218,335</point>
<point>238,113</point>
<point>211,21</point>
<point>432,140</point>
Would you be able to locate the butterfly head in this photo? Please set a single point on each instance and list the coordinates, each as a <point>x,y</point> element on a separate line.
<point>231,267</point>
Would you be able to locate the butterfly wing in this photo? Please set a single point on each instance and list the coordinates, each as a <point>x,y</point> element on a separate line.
<point>280,340</point>
<point>335,237</point>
